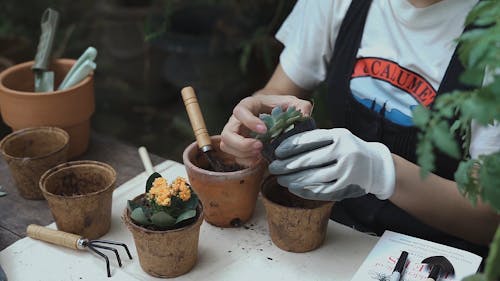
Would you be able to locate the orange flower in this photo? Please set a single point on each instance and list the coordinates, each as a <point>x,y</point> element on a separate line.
<point>162,192</point>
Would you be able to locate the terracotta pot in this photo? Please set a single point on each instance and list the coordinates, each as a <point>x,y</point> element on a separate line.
<point>228,197</point>
<point>295,224</point>
<point>69,109</point>
<point>32,151</point>
<point>168,253</point>
<point>79,194</point>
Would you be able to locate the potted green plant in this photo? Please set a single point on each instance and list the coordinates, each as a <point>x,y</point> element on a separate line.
<point>280,125</point>
<point>165,223</point>
<point>295,224</point>
<point>476,178</point>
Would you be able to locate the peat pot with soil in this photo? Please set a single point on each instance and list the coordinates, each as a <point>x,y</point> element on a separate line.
<point>165,223</point>
<point>295,224</point>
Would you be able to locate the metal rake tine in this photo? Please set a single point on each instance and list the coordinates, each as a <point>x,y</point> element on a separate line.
<point>110,249</point>
<point>91,247</point>
<point>114,243</point>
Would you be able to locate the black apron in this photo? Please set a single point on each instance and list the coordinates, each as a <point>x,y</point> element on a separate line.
<point>367,213</point>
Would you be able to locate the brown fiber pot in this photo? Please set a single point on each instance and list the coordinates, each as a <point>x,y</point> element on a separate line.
<point>168,253</point>
<point>295,224</point>
<point>228,197</point>
<point>68,109</point>
<point>31,152</point>
<point>79,194</point>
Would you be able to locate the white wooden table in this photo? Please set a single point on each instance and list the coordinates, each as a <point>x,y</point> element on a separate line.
<point>245,253</point>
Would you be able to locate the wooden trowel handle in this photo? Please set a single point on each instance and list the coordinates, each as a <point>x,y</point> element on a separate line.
<point>61,238</point>
<point>196,118</point>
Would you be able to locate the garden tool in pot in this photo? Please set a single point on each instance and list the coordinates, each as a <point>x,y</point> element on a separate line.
<point>44,79</point>
<point>441,266</point>
<point>199,127</point>
<point>73,241</point>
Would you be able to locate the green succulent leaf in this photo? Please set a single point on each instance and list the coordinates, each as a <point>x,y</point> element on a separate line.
<point>162,219</point>
<point>139,217</point>
<point>185,216</point>
<point>276,112</point>
<point>151,179</point>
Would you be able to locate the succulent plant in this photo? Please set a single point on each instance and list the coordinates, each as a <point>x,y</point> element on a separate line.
<point>164,206</point>
<point>279,122</point>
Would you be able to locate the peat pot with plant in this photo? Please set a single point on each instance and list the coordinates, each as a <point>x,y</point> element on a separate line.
<point>295,224</point>
<point>165,223</point>
<point>457,112</point>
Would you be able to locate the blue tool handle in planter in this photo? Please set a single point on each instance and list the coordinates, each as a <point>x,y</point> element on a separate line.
<point>48,24</point>
<point>75,73</point>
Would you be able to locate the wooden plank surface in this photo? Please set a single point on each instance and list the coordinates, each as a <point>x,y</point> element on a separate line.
<point>16,213</point>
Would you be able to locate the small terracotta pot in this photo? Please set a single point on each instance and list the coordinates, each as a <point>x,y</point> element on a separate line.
<point>168,253</point>
<point>228,197</point>
<point>79,194</point>
<point>68,109</point>
<point>295,224</point>
<point>30,153</point>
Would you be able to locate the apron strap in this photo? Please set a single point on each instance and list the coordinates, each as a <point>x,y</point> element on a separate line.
<point>344,57</point>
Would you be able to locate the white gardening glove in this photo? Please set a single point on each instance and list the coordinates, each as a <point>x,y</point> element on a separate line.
<point>333,165</point>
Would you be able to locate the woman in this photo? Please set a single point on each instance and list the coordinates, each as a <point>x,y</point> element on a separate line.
<point>382,59</point>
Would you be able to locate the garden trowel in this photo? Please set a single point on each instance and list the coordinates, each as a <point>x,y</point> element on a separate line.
<point>199,128</point>
<point>44,79</point>
<point>441,266</point>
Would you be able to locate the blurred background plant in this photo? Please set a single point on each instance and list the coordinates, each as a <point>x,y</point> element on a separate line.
<point>477,179</point>
<point>148,50</point>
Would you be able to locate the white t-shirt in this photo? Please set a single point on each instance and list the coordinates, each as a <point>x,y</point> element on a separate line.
<point>402,58</point>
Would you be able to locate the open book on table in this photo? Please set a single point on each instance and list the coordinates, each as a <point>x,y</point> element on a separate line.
<point>382,259</point>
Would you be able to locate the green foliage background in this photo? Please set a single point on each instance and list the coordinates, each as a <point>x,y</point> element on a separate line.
<point>477,179</point>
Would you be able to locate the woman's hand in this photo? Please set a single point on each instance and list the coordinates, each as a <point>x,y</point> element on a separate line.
<point>235,135</point>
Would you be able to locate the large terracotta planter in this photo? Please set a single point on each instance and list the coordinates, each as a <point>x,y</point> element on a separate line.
<point>31,152</point>
<point>168,253</point>
<point>79,194</point>
<point>228,197</point>
<point>68,109</point>
<point>295,224</point>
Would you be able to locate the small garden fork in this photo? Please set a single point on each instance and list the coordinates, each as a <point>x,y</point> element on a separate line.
<point>73,241</point>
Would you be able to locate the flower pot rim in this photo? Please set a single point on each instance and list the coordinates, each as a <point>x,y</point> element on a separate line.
<point>31,129</point>
<point>271,202</point>
<point>14,68</point>
<point>192,166</point>
<point>129,222</point>
<point>72,164</point>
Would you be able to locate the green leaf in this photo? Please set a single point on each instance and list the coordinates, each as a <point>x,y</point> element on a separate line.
<point>472,76</point>
<point>444,140</point>
<point>421,116</point>
<point>186,215</point>
<point>151,179</point>
<point>425,155</point>
<point>490,180</point>
<point>139,217</point>
<point>492,270</point>
<point>132,205</point>
<point>192,202</point>
<point>466,185</point>
<point>162,219</point>
<point>475,277</point>
<point>277,110</point>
